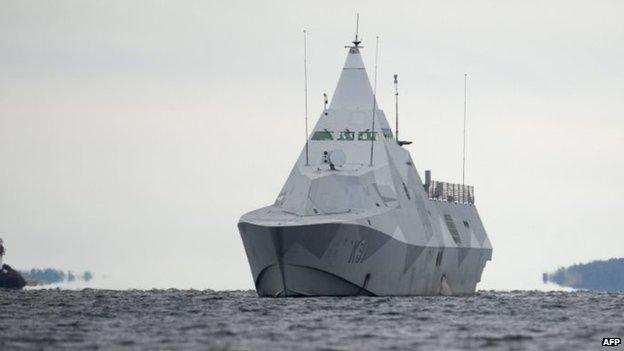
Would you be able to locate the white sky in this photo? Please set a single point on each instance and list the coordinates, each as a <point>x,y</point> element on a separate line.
<point>134,134</point>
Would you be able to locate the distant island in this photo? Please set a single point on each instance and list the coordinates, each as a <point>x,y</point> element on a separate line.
<point>45,276</point>
<point>596,275</point>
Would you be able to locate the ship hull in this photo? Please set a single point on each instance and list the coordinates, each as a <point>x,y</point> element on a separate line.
<point>339,259</point>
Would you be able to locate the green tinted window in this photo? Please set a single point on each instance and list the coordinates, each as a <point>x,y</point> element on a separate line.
<point>387,133</point>
<point>367,136</point>
<point>346,135</point>
<point>324,135</point>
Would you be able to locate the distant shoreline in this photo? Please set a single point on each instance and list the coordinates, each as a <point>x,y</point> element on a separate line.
<point>599,275</point>
<point>46,276</point>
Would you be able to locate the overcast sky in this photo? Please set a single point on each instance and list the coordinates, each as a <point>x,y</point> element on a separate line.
<point>133,134</point>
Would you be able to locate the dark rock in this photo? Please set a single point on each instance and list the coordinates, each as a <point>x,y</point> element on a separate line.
<point>10,278</point>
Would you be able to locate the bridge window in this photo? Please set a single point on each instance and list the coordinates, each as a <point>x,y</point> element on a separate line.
<point>387,133</point>
<point>346,135</point>
<point>322,135</point>
<point>367,135</point>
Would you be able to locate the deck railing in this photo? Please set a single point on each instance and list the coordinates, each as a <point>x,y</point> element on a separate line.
<point>450,192</point>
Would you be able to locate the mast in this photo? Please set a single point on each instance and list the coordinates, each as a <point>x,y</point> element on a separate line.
<point>396,106</point>
<point>464,146</point>
<point>305,78</point>
<point>357,42</point>
<point>374,102</point>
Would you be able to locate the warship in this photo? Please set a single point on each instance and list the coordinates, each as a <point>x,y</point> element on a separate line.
<point>354,216</point>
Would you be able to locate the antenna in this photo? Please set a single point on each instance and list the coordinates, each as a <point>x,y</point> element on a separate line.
<point>357,42</point>
<point>396,106</point>
<point>305,78</point>
<point>464,147</point>
<point>374,102</point>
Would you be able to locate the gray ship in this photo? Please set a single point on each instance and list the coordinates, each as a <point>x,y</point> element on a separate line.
<point>355,218</point>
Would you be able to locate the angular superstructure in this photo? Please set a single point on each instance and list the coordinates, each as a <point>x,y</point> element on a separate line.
<point>343,225</point>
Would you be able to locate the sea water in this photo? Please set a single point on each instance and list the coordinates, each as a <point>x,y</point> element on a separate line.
<point>240,320</point>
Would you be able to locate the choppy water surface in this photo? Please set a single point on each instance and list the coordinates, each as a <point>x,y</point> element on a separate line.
<point>239,320</point>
